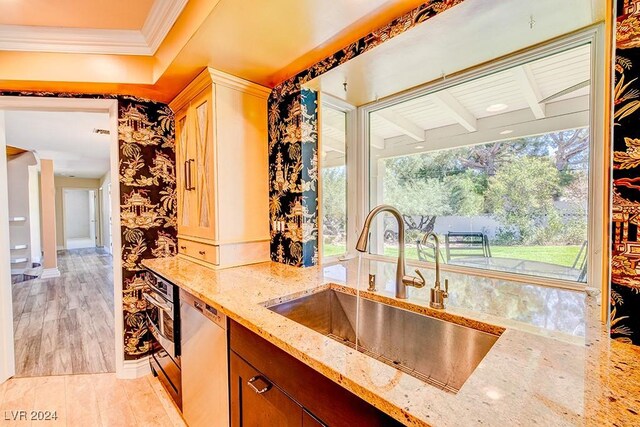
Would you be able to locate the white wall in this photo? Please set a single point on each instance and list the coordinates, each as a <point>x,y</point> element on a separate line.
<point>77,222</point>
<point>7,361</point>
<point>18,195</point>
<point>105,211</point>
<point>61,183</point>
<point>34,213</point>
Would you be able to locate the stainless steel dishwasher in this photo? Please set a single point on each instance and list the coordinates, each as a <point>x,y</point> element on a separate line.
<point>205,390</point>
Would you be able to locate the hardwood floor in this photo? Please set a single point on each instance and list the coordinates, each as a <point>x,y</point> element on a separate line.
<point>65,325</point>
<point>88,400</point>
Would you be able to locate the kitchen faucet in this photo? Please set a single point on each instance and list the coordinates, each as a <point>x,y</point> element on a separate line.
<point>402,280</point>
<point>437,294</point>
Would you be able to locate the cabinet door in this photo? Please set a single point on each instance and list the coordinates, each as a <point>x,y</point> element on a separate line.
<point>256,402</point>
<point>182,171</point>
<point>203,216</point>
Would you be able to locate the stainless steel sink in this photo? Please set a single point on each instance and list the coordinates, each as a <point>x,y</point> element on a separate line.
<point>435,351</point>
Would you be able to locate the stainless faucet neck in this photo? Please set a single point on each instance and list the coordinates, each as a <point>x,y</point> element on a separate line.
<point>437,294</point>
<point>402,281</point>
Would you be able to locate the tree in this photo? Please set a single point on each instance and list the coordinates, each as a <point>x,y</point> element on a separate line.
<point>485,158</point>
<point>420,201</point>
<point>466,193</point>
<point>521,196</point>
<point>334,202</point>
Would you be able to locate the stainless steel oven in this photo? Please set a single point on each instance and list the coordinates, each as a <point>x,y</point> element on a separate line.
<point>163,321</point>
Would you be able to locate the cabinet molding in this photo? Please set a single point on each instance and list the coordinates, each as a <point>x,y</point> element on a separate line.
<point>222,170</point>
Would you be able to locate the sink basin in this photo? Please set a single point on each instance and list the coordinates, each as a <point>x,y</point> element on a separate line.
<point>440,353</point>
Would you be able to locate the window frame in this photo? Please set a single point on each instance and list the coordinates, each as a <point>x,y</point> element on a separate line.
<point>351,125</point>
<point>599,173</point>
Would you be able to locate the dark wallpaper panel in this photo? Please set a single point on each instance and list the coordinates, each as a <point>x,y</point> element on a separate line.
<point>293,133</point>
<point>147,205</point>
<point>625,261</point>
<point>147,198</point>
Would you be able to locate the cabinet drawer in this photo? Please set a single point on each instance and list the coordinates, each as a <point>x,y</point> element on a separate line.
<point>201,251</point>
<point>256,401</point>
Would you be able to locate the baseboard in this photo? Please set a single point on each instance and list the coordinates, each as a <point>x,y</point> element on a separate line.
<point>49,273</point>
<point>133,369</point>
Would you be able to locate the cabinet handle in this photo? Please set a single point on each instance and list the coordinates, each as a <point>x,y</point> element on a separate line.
<point>183,247</point>
<point>186,175</point>
<point>201,252</point>
<point>264,389</point>
<point>188,172</point>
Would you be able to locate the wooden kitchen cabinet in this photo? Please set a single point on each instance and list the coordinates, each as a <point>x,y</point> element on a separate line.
<point>222,170</point>
<point>266,405</point>
<point>296,394</point>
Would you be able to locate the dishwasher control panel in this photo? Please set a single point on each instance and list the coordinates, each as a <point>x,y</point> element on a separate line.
<point>209,312</point>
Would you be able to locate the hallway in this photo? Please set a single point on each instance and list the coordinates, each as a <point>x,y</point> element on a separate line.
<point>65,325</point>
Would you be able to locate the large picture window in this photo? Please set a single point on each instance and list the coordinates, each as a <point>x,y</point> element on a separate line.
<point>497,167</point>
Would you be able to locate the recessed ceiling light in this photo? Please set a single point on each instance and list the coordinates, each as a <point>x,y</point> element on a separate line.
<point>494,108</point>
<point>506,132</point>
<point>419,147</point>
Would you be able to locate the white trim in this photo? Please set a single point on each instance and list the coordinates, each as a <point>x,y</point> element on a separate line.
<point>597,180</point>
<point>7,356</point>
<point>132,369</point>
<point>64,104</point>
<point>50,273</point>
<point>162,16</point>
<point>351,126</point>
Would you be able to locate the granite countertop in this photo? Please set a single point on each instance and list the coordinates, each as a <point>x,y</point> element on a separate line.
<point>552,365</point>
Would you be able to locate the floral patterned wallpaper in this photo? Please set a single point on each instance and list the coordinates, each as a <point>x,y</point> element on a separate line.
<point>148,205</point>
<point>293,144</point>
<point>148,200</point>
<point>625,256</point>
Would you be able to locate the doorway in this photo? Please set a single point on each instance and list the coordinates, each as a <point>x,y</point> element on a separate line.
<point>79,217</point>
<point>64,324</point>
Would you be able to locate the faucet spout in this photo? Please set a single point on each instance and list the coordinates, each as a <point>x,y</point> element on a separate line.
<point>402,280</point>
<point>437,294</point>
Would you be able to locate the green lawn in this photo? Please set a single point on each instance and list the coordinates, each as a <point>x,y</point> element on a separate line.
<point>559,255</point>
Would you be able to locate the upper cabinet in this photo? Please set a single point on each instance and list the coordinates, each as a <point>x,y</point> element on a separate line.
<point>222,170</point>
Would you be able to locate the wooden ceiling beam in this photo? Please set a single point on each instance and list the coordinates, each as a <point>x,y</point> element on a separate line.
<point>402,124</point>
<point>445,100</point>
<point>527,83</point>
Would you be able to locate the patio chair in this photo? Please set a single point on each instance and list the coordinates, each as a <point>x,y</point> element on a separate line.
<point>580,262</point>
<point>460,244</point>
<point>427,251</point>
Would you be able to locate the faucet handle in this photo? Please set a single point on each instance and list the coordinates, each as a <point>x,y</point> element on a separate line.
<point>446,288</point>
<point>421,276</point>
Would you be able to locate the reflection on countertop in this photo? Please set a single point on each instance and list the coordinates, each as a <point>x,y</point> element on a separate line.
<point>539,369</point>
<point>539,309</point>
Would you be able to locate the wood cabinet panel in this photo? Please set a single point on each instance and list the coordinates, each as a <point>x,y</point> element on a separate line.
<point>222,161</point>
<point>327,401</point>
<point>265,406</point>
<point>201,251</point>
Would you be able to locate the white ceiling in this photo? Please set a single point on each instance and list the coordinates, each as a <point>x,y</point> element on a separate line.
<point>67,138</point>
<point>459,116</point>
<point>484,30</point>
<point>101,27</point>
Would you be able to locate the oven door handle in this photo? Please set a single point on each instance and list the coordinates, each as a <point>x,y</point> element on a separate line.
<point>162,306</point>
<point>166,343</point>
<point>158,290</point>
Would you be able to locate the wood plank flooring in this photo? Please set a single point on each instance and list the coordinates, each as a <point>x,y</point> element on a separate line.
<point>65,325</point>
<point>88,400</point>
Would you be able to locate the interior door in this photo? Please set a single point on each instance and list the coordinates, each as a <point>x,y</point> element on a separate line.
<point>79,218</point>
<point>7,361</point>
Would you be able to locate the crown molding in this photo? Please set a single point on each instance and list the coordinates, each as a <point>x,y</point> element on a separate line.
<point>162,16</point>
<point>145,42</point>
